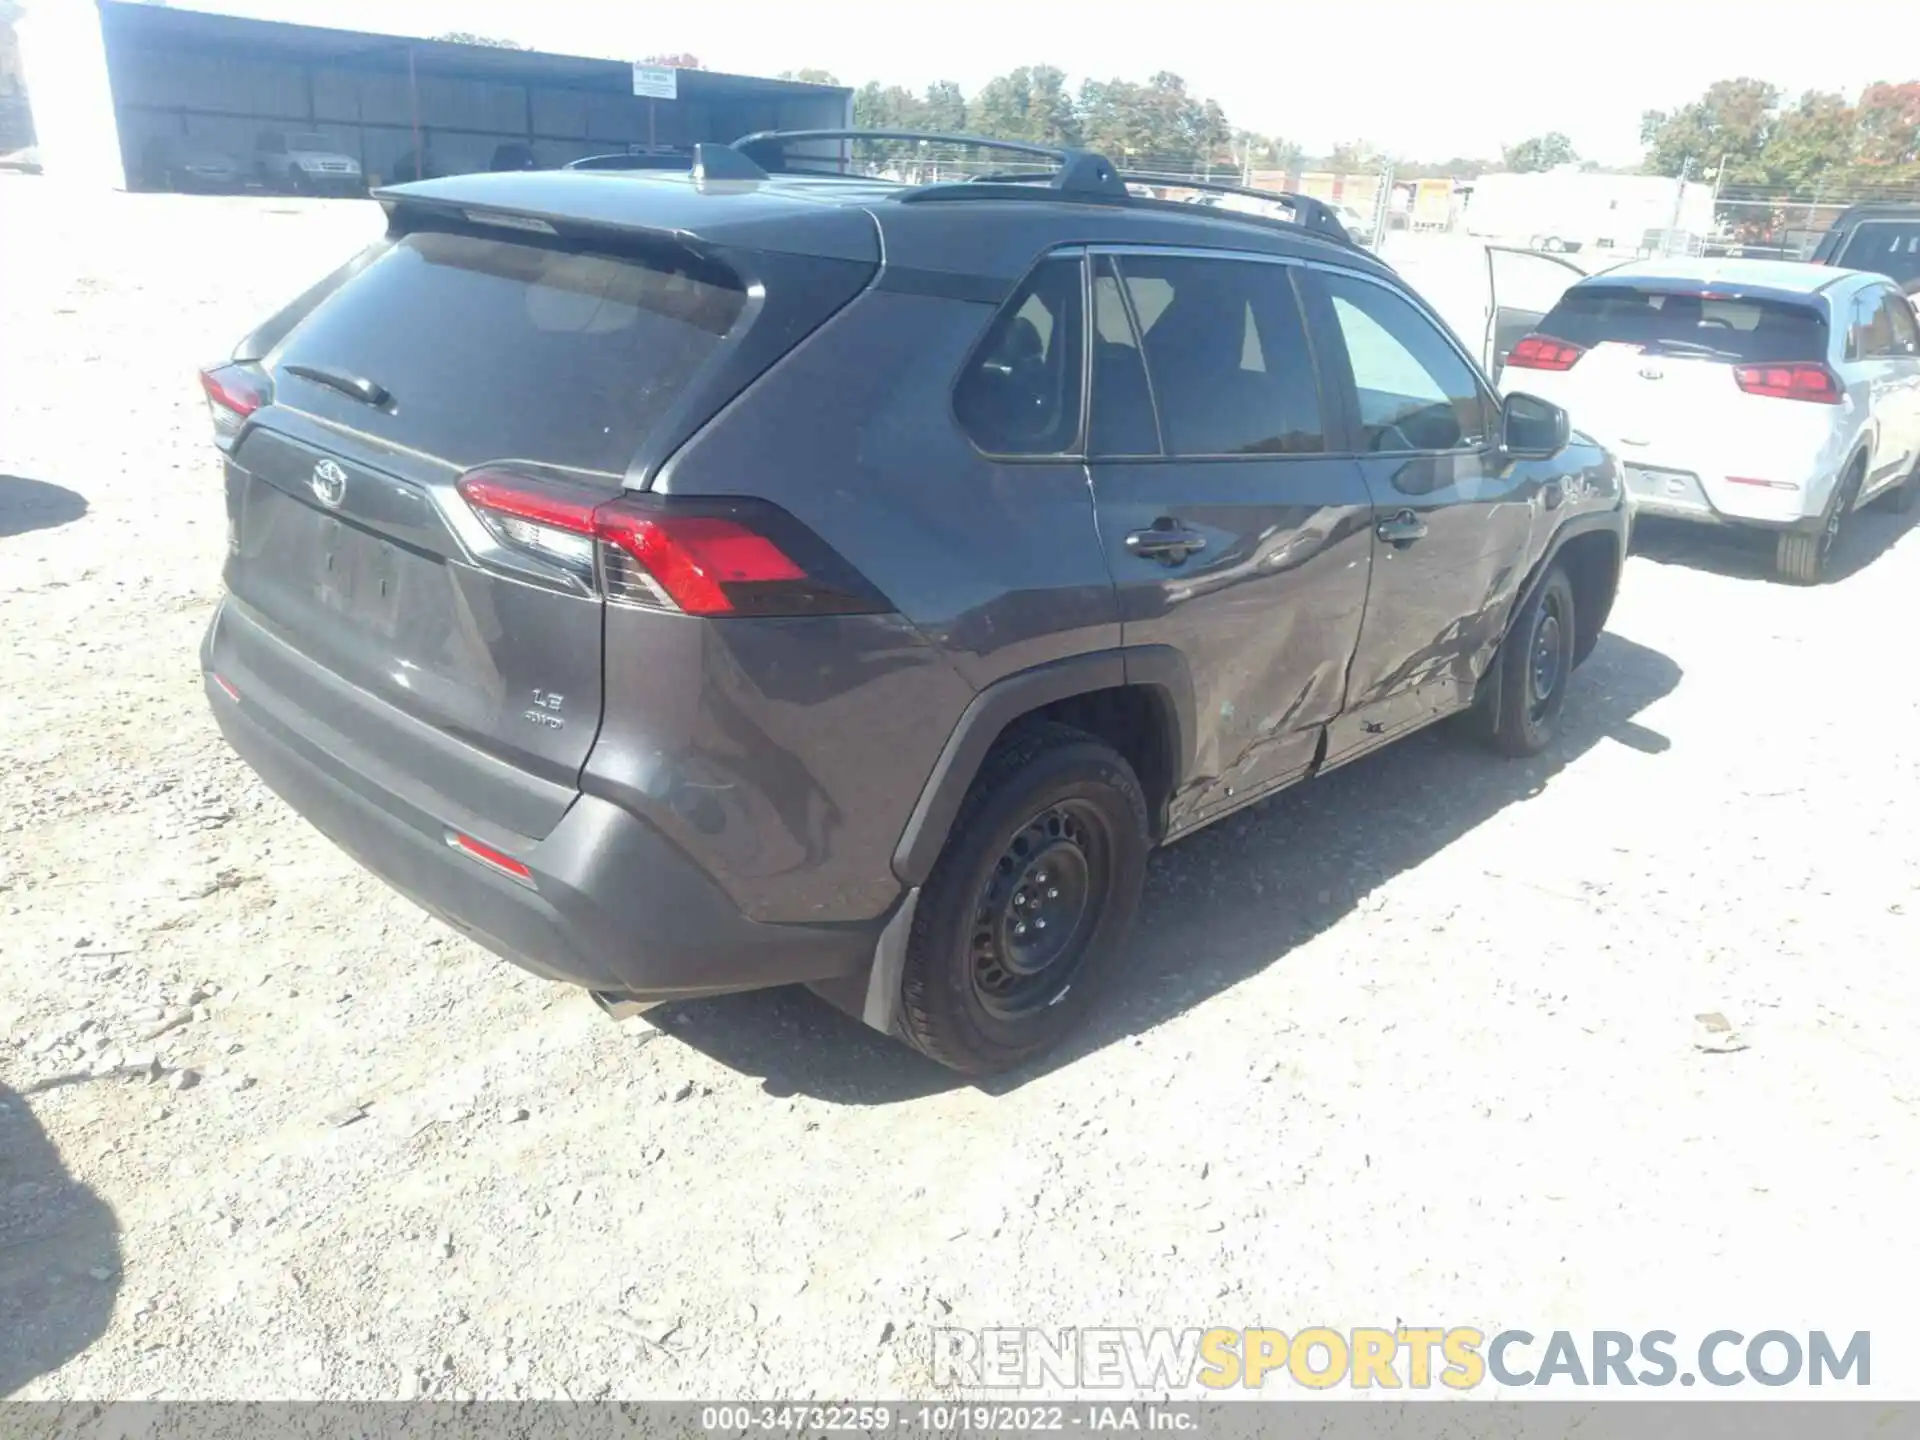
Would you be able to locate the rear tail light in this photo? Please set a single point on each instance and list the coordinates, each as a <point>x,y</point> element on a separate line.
<point>698,557</point>
<point>1543,352</point>
<point>233,393</point>
<point>1802,381</point>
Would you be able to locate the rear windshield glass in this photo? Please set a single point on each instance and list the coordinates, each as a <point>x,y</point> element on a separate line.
<point>1681,321</point>
<point>1887,247</point>
<point>500,349</point>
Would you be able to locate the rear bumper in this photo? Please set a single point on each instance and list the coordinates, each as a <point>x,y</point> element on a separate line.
<point>1715,500</point>
<point>611,904</point>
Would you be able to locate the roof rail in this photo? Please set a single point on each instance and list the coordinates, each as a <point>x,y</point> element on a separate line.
<point>1079,172</point>
<point>1315,215</point>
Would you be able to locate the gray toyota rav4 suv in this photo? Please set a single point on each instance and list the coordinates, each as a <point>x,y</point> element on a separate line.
<point>690,582</point>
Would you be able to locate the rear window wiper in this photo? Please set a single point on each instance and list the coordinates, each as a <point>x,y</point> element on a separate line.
<point>368,392</point>
<point>1689,347</point>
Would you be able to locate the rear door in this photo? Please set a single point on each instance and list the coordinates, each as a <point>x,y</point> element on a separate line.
<point>1234,532</point>
<point>370,601</point>
<point>1454,519</point>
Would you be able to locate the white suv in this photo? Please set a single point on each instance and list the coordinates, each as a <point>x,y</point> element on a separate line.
<point>1748,392</point>
<point>304,162</point>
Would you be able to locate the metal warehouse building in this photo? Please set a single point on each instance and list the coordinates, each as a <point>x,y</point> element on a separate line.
<point>105,78</point>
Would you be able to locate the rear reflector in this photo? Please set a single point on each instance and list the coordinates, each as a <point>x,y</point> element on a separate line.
<point>233,393</point>
<point>221,681</point>
<point>1800,381</point>
<point>699,557</point>
<point>1761,484</point>
<point>493,859</point>
<point>1543,352</point>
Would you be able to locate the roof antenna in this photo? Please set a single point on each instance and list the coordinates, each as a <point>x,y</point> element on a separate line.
<point>723,162</point>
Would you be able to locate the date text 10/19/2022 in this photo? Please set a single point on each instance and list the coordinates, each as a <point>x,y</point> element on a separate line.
<point>1097,1418</point>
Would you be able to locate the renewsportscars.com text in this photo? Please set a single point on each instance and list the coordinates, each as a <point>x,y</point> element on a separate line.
<point>1403,1357</point>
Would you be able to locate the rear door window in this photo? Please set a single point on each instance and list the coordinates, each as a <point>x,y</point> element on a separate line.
<point>1227,352</point>
<point>1020,392</point>
<point>1739,329</point>
<point>1886,247</point>
<point>500,349</point>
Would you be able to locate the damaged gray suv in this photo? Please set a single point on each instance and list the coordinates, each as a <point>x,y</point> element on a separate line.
<point>684,583</point>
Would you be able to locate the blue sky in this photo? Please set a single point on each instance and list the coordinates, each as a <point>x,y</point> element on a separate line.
<point>1420,80</point>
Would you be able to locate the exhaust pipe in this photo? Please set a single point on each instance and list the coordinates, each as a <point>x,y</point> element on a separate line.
<point>622,1007</point>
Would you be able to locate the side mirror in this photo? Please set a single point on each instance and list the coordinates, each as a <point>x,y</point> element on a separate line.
<point>1532,428</point>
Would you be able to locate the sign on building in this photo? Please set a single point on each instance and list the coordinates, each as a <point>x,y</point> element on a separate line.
<point>656,82</point>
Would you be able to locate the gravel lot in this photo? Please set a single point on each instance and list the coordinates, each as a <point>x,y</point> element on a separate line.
<point>1418,1042</point>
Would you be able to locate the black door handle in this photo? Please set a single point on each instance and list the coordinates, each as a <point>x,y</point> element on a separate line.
<point>1401,530</point>
<point>1168,541</point>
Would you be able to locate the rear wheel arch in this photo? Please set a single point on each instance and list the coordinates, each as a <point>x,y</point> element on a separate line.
<point>1139,701</point>
<point>1591,552</point>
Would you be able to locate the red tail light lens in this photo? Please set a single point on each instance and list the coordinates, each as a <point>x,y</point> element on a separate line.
<point>488,856</point>
<point>699,557</point>
<point>233,393</point>
<point>1543,352</point>
<point>1790,382</point>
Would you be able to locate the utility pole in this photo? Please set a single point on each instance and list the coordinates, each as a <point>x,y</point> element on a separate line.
<point>1679,199</point>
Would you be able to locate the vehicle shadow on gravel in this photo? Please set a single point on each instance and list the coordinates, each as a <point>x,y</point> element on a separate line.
<point>28,505</point>
<point>57,1240</point>
<point>1748,554</point>
<point>1223,905</point>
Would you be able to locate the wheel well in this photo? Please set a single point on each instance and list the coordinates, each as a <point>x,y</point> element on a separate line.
<point>1136,720</point>
<point>1592,563</point>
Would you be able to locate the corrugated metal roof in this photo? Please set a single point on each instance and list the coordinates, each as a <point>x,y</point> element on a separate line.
<point>171,27</point>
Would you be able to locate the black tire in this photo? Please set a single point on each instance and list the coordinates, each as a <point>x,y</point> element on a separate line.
<point>1804,557</point>
<point>974,998</point>
<point>1520,714</point>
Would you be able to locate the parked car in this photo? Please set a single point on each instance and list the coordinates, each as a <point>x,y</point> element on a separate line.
<point>304,161</point>
<point>793,582</point>
<point>1883,237</point>
<point>174,162</point>
<point>1763,393</point>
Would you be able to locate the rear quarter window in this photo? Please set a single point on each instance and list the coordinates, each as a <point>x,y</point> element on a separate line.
<point>500,349</point>
<point>1737,328</point>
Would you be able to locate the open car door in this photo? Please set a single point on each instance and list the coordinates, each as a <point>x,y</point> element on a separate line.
<point>1524,285</point>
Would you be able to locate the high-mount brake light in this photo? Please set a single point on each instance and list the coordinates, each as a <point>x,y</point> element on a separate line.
<point>233,393</point>
<point>701,557</point>
<point>1543,352</point>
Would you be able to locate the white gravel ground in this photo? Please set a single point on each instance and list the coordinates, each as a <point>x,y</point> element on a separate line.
<point>1415,1043</point>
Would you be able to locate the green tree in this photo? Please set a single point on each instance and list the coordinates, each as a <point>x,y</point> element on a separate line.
<point>1731,121</point>
<point>1889,124</point>
<point>944,108</point>
<point>1354,157</point>
<point>1541,152</point>
<point>809,77</point>
<point>492,42</point>
<point>1031,103</point>
<point>1809,143</point>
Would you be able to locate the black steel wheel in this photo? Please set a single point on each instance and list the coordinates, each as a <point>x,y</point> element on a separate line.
<point>1521,706</point>
<point>1017,925</point>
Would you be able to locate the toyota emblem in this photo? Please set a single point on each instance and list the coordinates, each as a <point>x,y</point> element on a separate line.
<point>329,484</point>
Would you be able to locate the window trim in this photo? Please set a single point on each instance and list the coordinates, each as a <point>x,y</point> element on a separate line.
<point>1331,409</point>
<point>1077,450</point>
<point>1896,302</point>
<point>1489,399</point>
